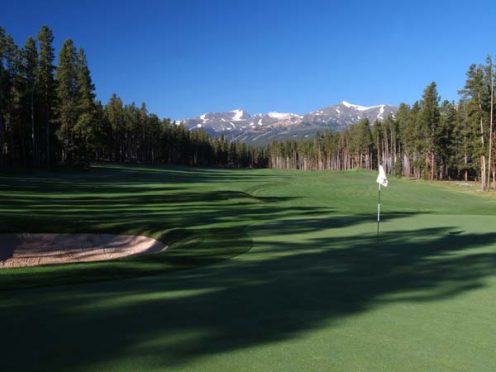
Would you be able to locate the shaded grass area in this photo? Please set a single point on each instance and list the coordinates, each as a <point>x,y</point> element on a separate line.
<point>312,291</point>
<point>200,223</point>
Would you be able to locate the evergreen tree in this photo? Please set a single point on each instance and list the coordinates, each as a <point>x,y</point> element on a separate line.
<point>114,113</point>
<point>30,71</point>
<point>85,125</point>
<point>67,94</point>
<point>491,169</point>
<point>476,94</point>
<point>406,139</point>
<point>429,126</point>
<point>46,88</point>
<point>468,130</point>
<point>17,143</point>
<point>446,146</point>
<point>4,89</point>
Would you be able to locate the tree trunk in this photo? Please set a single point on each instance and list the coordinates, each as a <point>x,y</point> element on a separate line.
<point>433,170</point>
<point>494,177</point>
<point>2,140</point>
<point>482,161</point>
<point>483,156</point>
<point>34,153</point>
<point>490,166</point>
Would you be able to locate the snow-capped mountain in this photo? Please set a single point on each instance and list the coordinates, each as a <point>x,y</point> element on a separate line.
<point>238,120</point>
<point>344,114</point>
<point>264,127</point>
<point>218,121</point>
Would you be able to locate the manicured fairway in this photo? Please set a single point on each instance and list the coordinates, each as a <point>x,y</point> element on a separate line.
<point>266,270</point>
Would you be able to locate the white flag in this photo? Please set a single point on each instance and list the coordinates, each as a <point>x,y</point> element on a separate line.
<point>381,178</point>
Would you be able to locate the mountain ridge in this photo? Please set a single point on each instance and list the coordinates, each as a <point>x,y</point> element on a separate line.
<point>239,125</point>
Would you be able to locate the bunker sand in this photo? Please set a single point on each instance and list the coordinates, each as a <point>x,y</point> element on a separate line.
<point>26,249</point>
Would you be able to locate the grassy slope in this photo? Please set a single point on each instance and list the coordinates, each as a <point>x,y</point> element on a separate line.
<point>304,285</point>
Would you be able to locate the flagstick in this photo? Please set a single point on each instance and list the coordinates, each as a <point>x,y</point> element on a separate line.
<point>378,211</point>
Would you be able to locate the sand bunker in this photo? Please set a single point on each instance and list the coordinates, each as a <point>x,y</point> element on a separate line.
<point>21,250</point>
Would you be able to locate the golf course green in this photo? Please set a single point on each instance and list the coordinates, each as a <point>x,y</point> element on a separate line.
<point>266,270</point>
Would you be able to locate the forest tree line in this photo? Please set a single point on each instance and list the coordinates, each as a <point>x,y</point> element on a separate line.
<point>431,139</point>
<point>49,116</point>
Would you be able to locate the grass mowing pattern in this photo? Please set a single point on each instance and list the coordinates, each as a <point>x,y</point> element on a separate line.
<point>283,273</point>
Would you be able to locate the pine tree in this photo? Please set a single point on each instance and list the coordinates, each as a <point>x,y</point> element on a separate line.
<point>16,133</point>
<point>30,71</point>
<point>491,167</point>
<point>476,94</point>
<point>405,138</point>
<point>67,95</point>
<point>4,88</point>
<point>429,122</point>
<point>464,138</point>
<point>46,88</point>
<point>114,113</point>
<point>85,126</point>
<point>445,144</point>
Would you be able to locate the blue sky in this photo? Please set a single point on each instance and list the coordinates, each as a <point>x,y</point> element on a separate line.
<point>186,57</point>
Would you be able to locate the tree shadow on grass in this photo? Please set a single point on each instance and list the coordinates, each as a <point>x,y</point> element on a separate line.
<point>126,177</point>
<point>145,199</point>
<point>54,203</point>
<point>187,247</point>
<point>247,302</point>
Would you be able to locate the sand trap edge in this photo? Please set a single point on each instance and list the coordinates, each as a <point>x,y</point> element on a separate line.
<point>34,249</point>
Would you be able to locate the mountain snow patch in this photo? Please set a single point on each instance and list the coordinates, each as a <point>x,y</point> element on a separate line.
<point>353,106</point>
<point>358,107</point>
<point>280,115</point>
<point>238,114</point>
<point>381,111</point>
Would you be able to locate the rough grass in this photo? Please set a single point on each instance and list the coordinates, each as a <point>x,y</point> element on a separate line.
<point>267,270</point>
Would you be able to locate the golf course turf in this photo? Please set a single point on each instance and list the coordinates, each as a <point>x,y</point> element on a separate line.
<point>265,270</point>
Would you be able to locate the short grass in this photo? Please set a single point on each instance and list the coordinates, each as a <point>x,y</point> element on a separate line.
<point>267,270</point>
